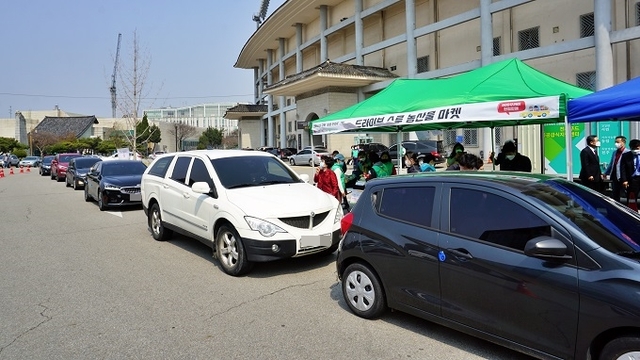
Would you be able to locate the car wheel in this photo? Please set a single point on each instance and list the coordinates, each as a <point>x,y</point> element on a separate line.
<point>66,182</point>
<point>230,252</point>
<point>52,177</point>
<point>101,205</point>
<point>363,292</point>
<point>627,347</point>
<point>58,178</point>
<point>292,162</point>
<point>87,197</point>
<point>158,231</point>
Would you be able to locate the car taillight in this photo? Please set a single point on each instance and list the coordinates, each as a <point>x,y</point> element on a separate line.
<point>346,222</point>
<point>434,153</point>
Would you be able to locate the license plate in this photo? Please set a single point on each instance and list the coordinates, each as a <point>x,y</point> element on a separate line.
<point>135,197</point>
<point>315,241</point>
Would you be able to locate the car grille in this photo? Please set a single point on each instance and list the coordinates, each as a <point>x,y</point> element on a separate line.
<point>303,222</point>
<point>130,190</point>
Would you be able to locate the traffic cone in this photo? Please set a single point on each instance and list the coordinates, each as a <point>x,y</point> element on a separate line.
<point>1,172</point>
<point>21,169</point>
<point>28,168</point>
<point>10,171</point>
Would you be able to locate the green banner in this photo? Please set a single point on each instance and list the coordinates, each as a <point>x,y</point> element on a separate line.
<point>555,154</point>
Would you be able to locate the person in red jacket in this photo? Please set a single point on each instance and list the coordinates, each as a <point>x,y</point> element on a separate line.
<point>325,179</point>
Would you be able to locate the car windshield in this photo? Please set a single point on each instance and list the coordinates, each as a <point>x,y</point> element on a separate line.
<point>123,169</point>
<point>47,160</point>
<point>85,163</point>
<point>66,158</point>
<point>244,171</point>
<point>31,158</point>
<point>608,223</point>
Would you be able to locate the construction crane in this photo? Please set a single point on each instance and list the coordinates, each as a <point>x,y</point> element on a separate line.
<point>112,89</point>
<point>262,13</point>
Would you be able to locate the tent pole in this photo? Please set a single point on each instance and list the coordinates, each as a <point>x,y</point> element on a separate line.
<point>399,154</point>
<point>568,148</point>
<point>493,147</point>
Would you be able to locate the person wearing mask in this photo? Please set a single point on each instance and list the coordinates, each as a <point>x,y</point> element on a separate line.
<point>590,172</point>
<point>411,162</point>
<point>360,169</point>
<point>630,169</point>
<point>510,159</point>
<point>326,179</point>
<point>378,169</point>
<point>343,164</point>
<point>427,162</point>
<point>470,162</point>
<point>337,169</point>
<point>613,169</point>
<point>456,153</point>
<point>385,158</point>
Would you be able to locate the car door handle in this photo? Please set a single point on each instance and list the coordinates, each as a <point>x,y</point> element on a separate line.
<point>460,253</point>
<point>185,195</point>
<point>165,186</point>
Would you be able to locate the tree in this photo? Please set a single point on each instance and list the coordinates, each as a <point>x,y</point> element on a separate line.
<point>210,138</point>
<point>182,131</point>
<point>8,144</point>
<point>147,134</point>
<point>231,141</point>
<point>43,140</point>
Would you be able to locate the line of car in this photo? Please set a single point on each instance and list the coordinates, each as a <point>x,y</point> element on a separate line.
<point>532,262</point>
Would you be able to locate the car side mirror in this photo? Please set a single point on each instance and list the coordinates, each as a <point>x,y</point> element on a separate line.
<point>202,187</point>
<point>545,247</point>
<point>304,177</point>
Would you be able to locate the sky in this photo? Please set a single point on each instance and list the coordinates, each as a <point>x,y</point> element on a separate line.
<point>61,52</point>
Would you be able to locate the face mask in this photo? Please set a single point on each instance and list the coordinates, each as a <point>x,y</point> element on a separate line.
<point>322,165</point>
<point>618,145</point>
<point>420,162</point>
<point>597,143</point>
<point>407,163</point>
<point>510,157</point>
<point>637,152</point>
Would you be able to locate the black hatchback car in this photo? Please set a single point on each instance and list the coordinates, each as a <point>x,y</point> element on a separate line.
<point>532,262</point>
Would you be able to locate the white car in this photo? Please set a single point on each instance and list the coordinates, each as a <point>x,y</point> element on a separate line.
<point>248,206</point>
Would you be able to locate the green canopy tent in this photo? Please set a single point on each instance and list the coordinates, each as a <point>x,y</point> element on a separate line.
<point>505,93</point>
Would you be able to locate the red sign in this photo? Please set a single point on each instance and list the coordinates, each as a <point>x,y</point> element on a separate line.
<point>511,106</point>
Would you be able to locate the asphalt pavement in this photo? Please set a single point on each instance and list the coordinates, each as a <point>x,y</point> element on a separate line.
<point>78,283</point>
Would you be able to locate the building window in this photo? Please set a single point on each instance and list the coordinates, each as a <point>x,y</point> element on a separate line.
<point>470,137</point>
<point>423,64</point>
<point>529,38</point>
<point>497,137</point>
<point>449,137</point>
<point>638,14</point>
<point>586,25</point>
<point>496,46</point>
<point>586,80</point>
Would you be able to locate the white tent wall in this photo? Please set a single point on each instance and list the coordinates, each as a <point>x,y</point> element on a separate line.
<point>529,144</point>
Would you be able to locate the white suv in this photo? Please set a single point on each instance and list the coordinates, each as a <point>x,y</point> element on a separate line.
<point>248,206</point>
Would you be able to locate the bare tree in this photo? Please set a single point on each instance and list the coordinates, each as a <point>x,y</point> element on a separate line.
<point>182,131</point>
<point>41,140</point>
<point>134,90</point>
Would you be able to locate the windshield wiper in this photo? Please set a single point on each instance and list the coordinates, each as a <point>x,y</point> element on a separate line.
<point>629,254</point>
<point>273,182</point>
<point>241,185</point>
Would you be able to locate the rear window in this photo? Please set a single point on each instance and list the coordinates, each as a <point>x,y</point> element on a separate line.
<point>85,163</point>
<point>408,204</point>
<point>159,168</point>
<point>66,158</point>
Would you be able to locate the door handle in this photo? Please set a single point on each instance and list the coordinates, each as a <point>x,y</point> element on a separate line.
<point>165,186</point>
<point>185,195</point>
<point>460,253</point>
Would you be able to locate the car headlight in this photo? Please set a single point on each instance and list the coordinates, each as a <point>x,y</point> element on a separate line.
<point>339,214</point>
<point>265,228</point>
<point>111,187</point>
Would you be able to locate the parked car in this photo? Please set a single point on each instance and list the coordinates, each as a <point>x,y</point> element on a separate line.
<point>245,205</point>
<point>59,165</point>
<point>13,161</point>
<point>137,156</point>
<point>114,183</point>
<point>45,165</point>
<point>307,157</point>
<point>420,147</point>
<point>76,175</point>
<point>155,154</point>
<point>29,161</point>
<point>372,146</point>
<point>533,262</point>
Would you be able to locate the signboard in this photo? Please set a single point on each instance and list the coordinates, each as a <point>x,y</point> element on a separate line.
<point>123,153</point>
<point>555,154</point>
<point>607,132</point>
<point>542,107</point>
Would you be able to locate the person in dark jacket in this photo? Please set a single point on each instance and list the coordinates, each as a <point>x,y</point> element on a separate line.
<point>590,171</point>
<point>510,159</point>
<point>613,169</point>
<point>630,169</point>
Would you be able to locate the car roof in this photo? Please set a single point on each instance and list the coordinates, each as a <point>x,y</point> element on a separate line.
<point>119,162</point>
<point>219,154</point>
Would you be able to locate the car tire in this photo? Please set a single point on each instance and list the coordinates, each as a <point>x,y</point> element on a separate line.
<point>58,178</point>
<point>363,291</point>
<point>101,205</point>
<point>52,177</point>
<point>292,162</point>
<point>156,226</point>
<point>75,185</point>
<point>66,182</point>
<point>87,197</point>
<point>626,347</point>
<point>230,252</point>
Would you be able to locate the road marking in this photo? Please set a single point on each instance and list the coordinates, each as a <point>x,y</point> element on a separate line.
<point>115,213</point>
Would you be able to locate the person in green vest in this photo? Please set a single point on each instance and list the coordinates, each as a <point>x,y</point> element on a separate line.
<point>378,169</point>
<point>337,168</point>
<point>385,158</point>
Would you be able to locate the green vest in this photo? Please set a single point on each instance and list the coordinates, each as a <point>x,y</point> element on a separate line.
<point>341,179</point>
<point>381,170</point>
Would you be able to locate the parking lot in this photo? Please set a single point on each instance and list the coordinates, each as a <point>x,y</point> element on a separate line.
<point>78,283</point>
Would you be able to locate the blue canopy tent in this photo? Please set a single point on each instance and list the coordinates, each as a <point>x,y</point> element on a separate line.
<point>619,102</point>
